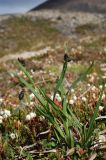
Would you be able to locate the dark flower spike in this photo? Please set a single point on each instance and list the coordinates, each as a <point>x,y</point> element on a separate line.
<point>22,61</point>
<point>67,58</point>
<point>21,95</point>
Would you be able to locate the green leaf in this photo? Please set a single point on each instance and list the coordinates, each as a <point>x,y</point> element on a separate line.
<point>60,81</point>
<point>92,121</point>
<point>75,121</point>
<point>26,73</point>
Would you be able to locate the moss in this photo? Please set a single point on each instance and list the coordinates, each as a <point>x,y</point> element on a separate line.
<point>77,68</point>
<point>83,29</point>
<point>53,69</point>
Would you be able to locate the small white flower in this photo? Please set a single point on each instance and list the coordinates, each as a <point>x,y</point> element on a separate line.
<point>93,88</point>
<point>104,77</point>
<point>25,76</point>
<point>7,113</point>
<point>101,108</point>
<point>103,69</point>
<point>84,99</point>
<point>12,75</point>
<point>88,85</point>
<point>102,138</point>
<point>72,90</point>
<point>104,49</point>
<point>32,115</point>
<point>71,101</point>
<point>73,50</point>
<point>13,136</point>
<point>1,112</point>
<point>75,98</point>
<point>57,95</point>
<point>20,73</point>
<point>103,96</point>
<point>103,65</point>
<point>100,86</point>
<point>28,117</point>
<point>95,146</point>
<point>41,118</point>
<point>31,103</point>
<point>59,99</point>
<point>51,97</point>
<point>51,74</point>
<point>5,116</point>
<point>1,119</point>
<point>32,71</point>
<point>1,100</point>
<point>94,95</point>
<point>92,78</point>
<point>32,96</point>
<point>79,48</point>
<point>88,75</point>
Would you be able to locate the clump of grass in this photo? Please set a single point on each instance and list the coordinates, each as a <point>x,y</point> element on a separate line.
<point>51,127</point>
<point>66,125</point>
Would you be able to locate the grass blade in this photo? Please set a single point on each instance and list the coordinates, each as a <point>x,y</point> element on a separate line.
<point>34,91</point>
<point>92,122</point>
<point>26,73</point>
<point>59,82</point>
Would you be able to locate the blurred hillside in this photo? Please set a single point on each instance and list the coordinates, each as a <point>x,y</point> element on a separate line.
<point>74,5</point>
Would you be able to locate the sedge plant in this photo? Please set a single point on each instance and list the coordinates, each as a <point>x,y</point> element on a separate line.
<point>67,128</point>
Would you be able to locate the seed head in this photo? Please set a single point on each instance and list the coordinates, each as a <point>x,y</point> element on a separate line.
<point>21,95</point>
<point>67,58</point>
<point>22,61</point>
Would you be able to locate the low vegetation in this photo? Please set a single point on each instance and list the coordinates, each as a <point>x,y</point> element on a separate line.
<point>83,29</point>
<point>67,123</point>
<point>25,34</point>
<point>52,107</point>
